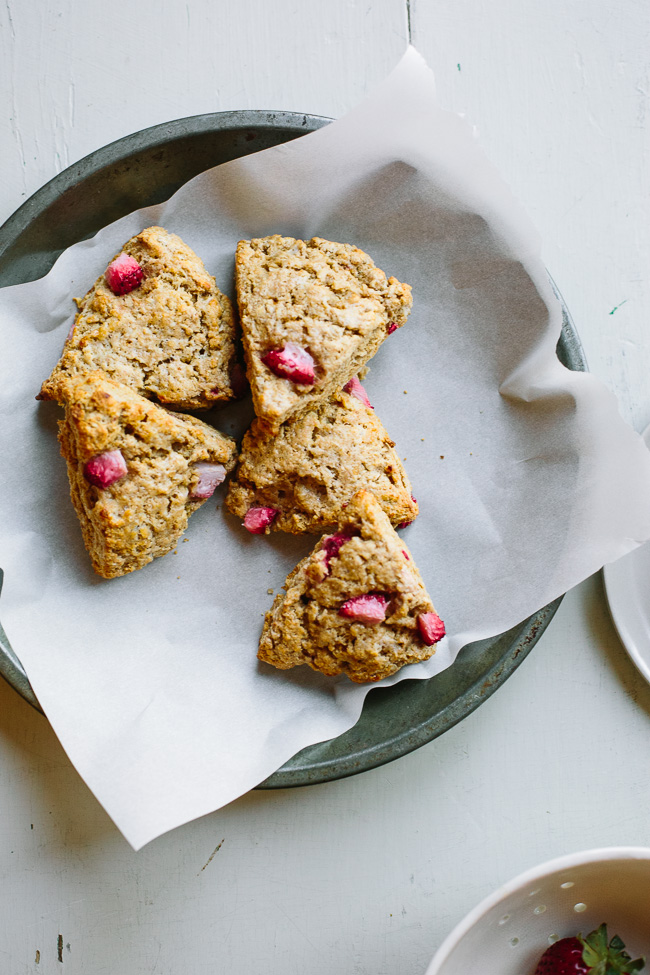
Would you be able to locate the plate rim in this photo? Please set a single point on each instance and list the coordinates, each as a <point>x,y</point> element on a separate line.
<point>611,574</point>
<point>570,352</point>
<point>149,138</point>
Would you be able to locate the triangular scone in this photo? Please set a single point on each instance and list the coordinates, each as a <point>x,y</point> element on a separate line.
<point>171,337</point>
<point>312,314</point>
<point>357,605</point>
<point>315,463</point>
<point>137,471</point>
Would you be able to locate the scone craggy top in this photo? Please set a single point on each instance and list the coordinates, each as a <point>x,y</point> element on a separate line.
<point>314,621</point>
<point>315,463</point>
<point>171,337</point>
<point>325,298</point>
<point>129,519</point>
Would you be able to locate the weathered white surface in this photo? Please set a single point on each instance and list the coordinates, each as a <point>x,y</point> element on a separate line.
<point>559,93</point>
<point>368,874</point>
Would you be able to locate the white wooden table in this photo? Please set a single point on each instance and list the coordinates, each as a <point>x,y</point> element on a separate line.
<point>365,875</point>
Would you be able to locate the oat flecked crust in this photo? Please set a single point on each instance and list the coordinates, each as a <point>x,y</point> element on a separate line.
<point>328,298</point>
<point>172,338</point>
<point>304,625</point>
<point>142,515</point>
<point>315,463</point>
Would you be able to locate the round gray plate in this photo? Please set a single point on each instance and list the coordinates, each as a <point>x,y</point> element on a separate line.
<point>147,168</point>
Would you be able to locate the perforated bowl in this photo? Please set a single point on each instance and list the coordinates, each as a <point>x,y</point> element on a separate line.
<point>508,932</point>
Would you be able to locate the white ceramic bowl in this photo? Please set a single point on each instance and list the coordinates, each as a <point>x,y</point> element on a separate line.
<point>507,933</point>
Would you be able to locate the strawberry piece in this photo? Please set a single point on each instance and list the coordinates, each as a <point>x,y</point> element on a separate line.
<point>431,628</point>
<point>210,476</point>
<point>354,388</point>
<point>104,469</point>
<point>123,274</point>
<point>332,544</point>
<point>392,327</point>
<point>406,555</point>
<point>562,958</point>
<point>259,520</point>
<point>370,608</point>
<point>291,362</point>
<point>592,955</point>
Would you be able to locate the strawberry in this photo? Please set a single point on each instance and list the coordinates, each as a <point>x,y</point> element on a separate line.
<point>392,327</point>
<point>209,477</point>
<point>592,955</point>
<point>370,608</point>
<point>104,469</point>
<point>332,544</point>
<point>123,274</point>
<point>431,628</point>
<point>259,520</point>
<point>291,362</point>
<point>354,388</point>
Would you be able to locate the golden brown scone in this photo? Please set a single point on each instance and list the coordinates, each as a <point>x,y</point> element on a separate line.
<point>357,605</point>
<point>136,470</point>
<point>315,463</point>
<point>312,314</point>
<point>172,337</point>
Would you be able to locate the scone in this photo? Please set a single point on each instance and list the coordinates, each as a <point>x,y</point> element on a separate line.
<point>136,470</point>
<point>304,474</point>
<point>356,606</point>
<point>312,314</point>
<point>156,321</point>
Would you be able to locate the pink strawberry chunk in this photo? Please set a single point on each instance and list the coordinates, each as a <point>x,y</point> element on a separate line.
<point>392,327</point>
<point>104,469</point>
<point>431,628</point>
<point>332,544</point>
<point>354,388</point>
<point>370,608</point>
<point>123,274</point>
<point>210,476</point>
<point>292,362</point>
<point>258,520</point>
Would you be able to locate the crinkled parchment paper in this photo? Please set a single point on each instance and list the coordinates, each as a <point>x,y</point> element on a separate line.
<point>151,681</point>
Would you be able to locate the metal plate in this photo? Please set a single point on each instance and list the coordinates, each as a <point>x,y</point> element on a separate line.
<point>147,168</point>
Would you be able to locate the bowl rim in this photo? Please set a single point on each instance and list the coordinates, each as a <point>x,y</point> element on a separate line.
<point>566,862</point>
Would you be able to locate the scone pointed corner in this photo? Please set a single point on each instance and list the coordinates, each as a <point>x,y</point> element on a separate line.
<point>312,314</point>
<point>356,605</point>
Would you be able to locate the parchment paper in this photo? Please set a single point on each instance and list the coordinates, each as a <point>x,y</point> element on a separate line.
<point>528,479</point>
